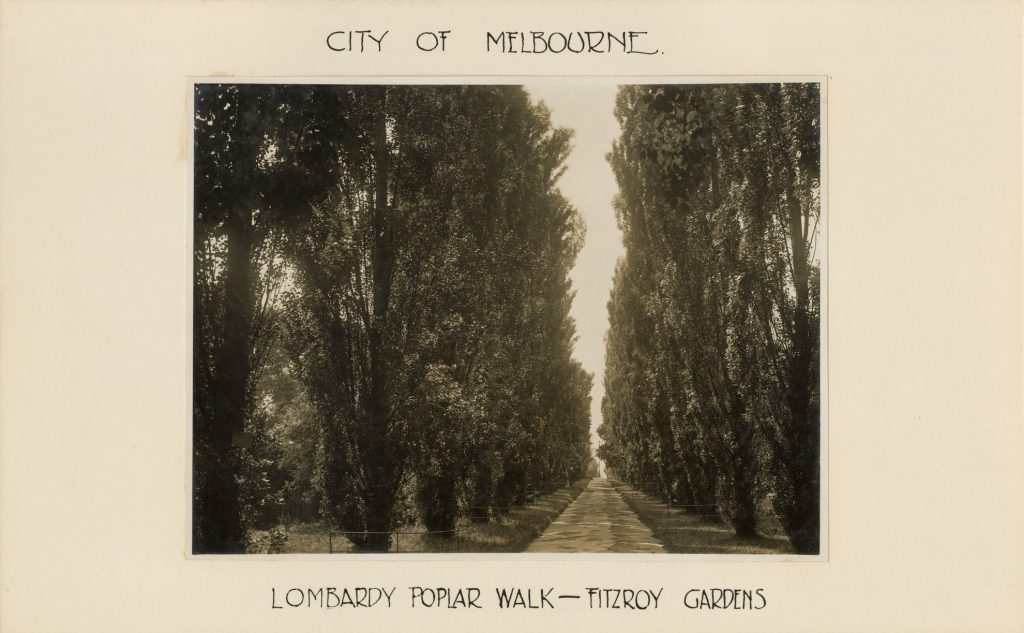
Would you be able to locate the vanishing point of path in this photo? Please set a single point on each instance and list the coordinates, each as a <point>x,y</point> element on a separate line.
<point>597,521</point>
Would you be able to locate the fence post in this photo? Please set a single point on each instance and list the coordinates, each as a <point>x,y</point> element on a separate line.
<point>330,542</point>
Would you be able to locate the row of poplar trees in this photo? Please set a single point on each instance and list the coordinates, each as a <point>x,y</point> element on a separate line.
<point>381,308</point>
<point>712,365</point>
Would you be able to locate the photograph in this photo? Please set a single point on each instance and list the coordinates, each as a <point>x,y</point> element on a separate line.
<point>540,318</point>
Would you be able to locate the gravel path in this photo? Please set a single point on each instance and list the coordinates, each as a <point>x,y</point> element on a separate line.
<point>597,521</point>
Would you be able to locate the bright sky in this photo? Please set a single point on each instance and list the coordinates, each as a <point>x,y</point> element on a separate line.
<point>589,184</point>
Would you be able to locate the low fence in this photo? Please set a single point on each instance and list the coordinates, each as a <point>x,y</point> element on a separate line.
<point>665,508</point>
<point>289,511</point>
<point>395,539</point>
<point>314,537</point>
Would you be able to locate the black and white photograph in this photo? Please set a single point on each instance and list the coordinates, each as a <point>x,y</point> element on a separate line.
<point>543,318</point>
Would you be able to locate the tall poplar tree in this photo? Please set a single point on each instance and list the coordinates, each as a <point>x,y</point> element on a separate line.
<point>719,207</point>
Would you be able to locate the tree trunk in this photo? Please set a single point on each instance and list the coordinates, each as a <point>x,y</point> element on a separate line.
<point>438,501</point>
<point>702,486</point>
<point>744,519</point>
<point>221,528</point>
<point>379,462</point>
<point>803,525</point>
<point>483,493</point>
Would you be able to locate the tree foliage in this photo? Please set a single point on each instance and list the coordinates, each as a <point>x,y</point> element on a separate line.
<point>381,307</point>
<point>712,361</point>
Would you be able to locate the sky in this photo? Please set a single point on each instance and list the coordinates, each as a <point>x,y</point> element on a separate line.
<point>589,185</point>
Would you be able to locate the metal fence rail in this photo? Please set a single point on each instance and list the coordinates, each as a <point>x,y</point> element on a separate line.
<point>406,539</point>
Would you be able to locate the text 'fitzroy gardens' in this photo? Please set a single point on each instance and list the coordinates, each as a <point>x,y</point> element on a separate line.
<point>509,42</point>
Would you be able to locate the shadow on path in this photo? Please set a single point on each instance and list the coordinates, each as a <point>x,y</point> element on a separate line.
<point>684,533</point>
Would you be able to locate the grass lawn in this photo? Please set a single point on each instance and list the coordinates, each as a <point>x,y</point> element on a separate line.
<point>683,533</point>
<point>509,533</point>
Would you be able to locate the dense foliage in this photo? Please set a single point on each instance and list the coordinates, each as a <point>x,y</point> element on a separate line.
<point>381,308</point>
<point>712,361</point>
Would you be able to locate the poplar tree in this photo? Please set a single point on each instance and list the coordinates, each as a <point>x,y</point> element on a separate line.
<point>719,207</point>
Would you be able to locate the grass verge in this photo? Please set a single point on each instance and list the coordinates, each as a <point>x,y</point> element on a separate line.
<point>683,533</point>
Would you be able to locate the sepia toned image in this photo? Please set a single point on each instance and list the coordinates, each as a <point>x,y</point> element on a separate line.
<point>551,318</point>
